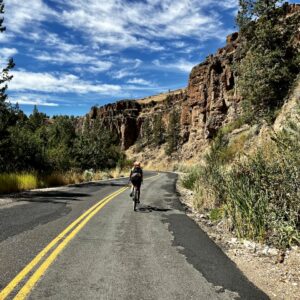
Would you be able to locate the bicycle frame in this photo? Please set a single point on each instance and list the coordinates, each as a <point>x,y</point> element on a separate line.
<point>136,197</point>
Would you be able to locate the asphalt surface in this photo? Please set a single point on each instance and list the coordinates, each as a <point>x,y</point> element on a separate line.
<point>154,253</point>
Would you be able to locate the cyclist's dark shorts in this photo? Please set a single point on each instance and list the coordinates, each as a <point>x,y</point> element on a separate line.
<point>136,182</point>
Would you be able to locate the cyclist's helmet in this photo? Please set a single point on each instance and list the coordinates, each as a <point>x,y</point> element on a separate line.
<point>137,164</point>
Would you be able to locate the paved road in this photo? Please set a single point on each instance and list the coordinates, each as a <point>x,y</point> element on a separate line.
<point>154,253</point>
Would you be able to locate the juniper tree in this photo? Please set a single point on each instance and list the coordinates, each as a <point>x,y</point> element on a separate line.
<point>269,63</point>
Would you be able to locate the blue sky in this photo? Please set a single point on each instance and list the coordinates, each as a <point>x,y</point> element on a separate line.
<point>71,55</point>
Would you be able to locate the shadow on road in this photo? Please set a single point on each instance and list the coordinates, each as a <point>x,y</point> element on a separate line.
<point>99,184</point>
<point>149,209</point>
<point>50,196</point>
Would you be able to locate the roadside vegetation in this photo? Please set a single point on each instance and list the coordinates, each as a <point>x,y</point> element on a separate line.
<point>269,60</point>
<point>258,194</point>
<point>256,188</point>
<point>38,151</point>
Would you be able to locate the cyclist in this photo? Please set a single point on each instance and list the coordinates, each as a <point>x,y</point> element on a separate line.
<point>136,177</point>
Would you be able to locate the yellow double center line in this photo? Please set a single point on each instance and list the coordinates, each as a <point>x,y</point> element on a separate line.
<point>65,236</point>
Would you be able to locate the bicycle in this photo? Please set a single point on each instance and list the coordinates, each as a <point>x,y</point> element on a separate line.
<point>135,197</point>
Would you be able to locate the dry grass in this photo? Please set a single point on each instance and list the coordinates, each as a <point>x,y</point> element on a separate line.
<point>204,198</point>
<point>73,177</point>
<point>10,183</point>
<point>53,180</point>
<point>160,97</point>
<point>155,166</point>
<point>117,172</point>
<point>235,148</point>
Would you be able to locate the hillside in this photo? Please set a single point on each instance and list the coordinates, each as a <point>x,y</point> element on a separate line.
<point>211,101</point>
<point>160,97</point>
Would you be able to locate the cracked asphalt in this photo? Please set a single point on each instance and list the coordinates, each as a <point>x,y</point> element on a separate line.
<point>154,253</point>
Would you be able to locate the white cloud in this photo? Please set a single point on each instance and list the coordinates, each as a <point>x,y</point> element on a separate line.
<point>21,15</point>
<point>93,64</point>
<point>181,65</point>
<point>132,63</point>
<point>8,52</point>
<point>5,54</point>
<point>27,100</point>
<point>120,74</point>
<point>100,66</point>
<point>140,81</point>
<point>228,4</point>
<point>143,24</point>
<point>61,83</point>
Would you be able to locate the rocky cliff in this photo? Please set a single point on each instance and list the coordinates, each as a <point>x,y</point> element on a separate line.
<point>209,101</point>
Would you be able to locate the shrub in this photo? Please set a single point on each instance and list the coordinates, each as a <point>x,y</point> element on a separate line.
<point>74,176</point>
<point>189,180</point>
<point>53,180</point>
<point>88,175</point>
<point>269,61</point>
<point>216,214</point>
<point>259,194</point>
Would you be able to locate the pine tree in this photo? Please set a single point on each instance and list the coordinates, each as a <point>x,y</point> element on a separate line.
<point>6,113</point>
<point>5,76</point>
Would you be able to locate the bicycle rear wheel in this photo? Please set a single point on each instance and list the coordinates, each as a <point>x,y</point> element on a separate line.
<point>135,199</point>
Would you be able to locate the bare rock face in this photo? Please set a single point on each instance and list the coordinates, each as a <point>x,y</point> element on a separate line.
<point>120,118</point>
<point>209,102</point>
<point>203,106</point>
<point>212,99</point>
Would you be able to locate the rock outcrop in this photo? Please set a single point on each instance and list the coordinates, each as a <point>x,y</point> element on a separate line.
<point>203,106</point>
<point>209,102</point>
<point>212,98</point>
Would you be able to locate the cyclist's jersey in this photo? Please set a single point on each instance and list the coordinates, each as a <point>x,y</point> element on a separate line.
<point>136,175</point>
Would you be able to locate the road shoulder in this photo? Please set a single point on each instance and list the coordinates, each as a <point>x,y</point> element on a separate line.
<point>279,278</point>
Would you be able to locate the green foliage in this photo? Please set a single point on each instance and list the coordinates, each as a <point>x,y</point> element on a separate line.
<point>36,119</point>
<point>60,138</point>
<point>49,146</point>
<point>6,114</point>
<point>259,194</point>
<point>233,125</point>
<point>124,163</point>
<point>251,10</point>
<point>96,149</point>
<point>269,62</point>
<point>189,180</point>
<point>26,151</point>
<point>216,214</point>
<point>263,195</point>
<point>173,132</point>
<point>46,145</point>
<point>5,76</point>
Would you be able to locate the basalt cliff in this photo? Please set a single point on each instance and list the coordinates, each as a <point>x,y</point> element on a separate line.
<point>210,101</point>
